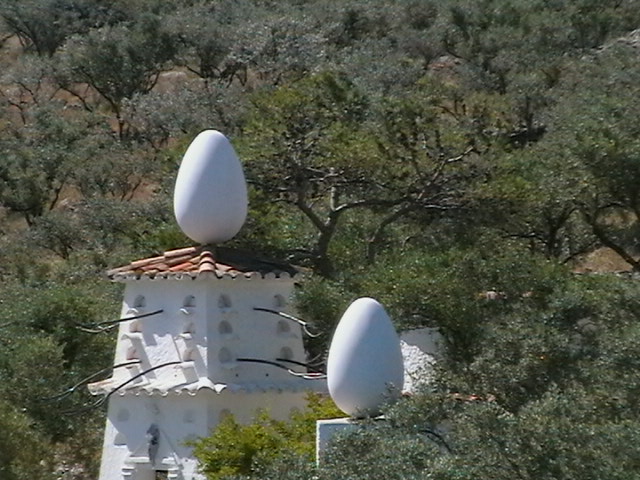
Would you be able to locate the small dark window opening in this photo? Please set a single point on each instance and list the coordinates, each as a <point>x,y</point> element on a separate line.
<point>162,475</point>
<point>139,302</point>
<point>189,301</point>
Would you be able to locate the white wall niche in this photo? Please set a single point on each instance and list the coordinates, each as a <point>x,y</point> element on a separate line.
<point>224,413</point>
<point>132,353</point>
<point>188,330</point>
<point>226,358</point>
<point>279,302</point>
<point>189,416</point>
<point>225,329</point>
<point>189,301</point>
<point>284,330</point>
<point>189,354</point>
<point>224,302</point>
<point>139,302</point>
<point>120,440</point>
<point>286,353</point>
<point>188,305</point>
<point>135,326</point>
<point>123,415</point>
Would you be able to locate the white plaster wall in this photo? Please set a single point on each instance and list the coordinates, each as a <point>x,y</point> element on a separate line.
<point>195,333</point>
<point>113,456</point>
<point>244,407</point>
<point>188,329</point>
<point>421,349</point>
<point>179,418</point>
<point>254,334</point>
<point>164,337</point>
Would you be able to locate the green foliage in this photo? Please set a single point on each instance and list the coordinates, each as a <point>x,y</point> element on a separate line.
<point>461,290</point>
<point>23,452</point>
<point>235,449</point>
<point>536,199</point>
<point>377,453</point>
<point>48,156</point>
<point>44,350</point>
<point>117,61</point>
<point>44,25</point>
<point>606,147</point>
<point>561,435</point>
<point>321,302</point>
<point>296,138</point>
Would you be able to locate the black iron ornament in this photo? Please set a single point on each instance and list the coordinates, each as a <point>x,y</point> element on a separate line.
<point>106,326</point>
<point>299,321</point>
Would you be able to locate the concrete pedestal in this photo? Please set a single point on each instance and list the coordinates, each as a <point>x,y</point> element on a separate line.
<point>326,429</point>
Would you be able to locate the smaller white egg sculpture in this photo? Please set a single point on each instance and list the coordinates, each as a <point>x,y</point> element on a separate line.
<point>365,368</point>
<point>210,197</point>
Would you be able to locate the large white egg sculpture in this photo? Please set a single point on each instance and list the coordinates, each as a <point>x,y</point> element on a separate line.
<point>365,368</point>
<point>210,196</point>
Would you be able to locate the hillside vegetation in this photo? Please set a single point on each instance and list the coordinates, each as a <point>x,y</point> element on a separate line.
<point>465,162</point>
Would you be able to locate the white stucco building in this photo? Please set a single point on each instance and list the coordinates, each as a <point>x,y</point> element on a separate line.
<point>206,352</point>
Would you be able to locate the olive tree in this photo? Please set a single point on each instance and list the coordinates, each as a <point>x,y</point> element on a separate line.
<point>117,62</point>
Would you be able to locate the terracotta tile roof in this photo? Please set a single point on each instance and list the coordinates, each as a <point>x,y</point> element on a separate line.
<point>192,262</point>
